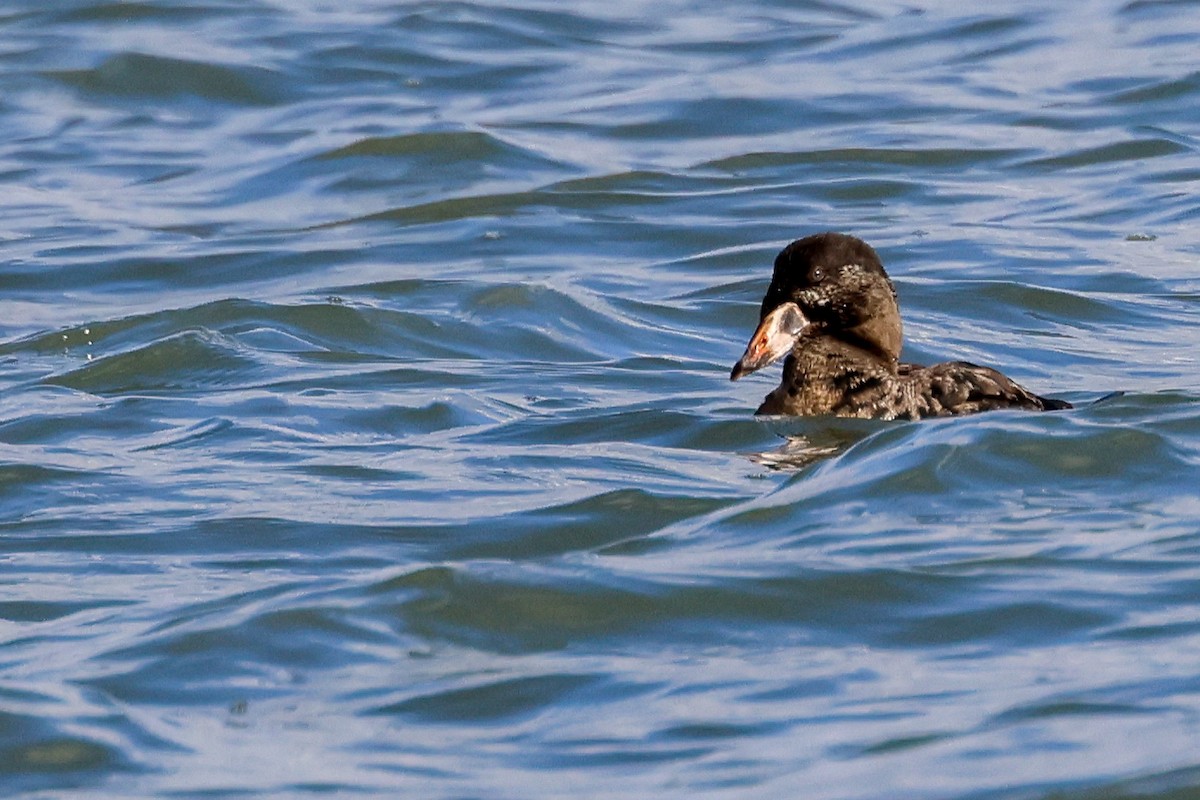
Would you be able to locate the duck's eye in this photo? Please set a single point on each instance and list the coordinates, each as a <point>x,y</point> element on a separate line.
<point>816,274</point>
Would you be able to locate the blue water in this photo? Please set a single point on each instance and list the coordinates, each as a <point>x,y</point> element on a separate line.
<point>366,430</point>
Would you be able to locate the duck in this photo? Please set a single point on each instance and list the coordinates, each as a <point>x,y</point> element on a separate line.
<point>831,309</point>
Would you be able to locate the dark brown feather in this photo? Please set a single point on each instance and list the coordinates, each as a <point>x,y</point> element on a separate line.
<point>846,362</point>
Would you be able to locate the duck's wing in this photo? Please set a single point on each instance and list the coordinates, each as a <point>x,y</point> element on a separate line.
<point>959,387</point>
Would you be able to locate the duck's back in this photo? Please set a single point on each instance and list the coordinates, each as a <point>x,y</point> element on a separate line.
<point>960,387</point>
<point>824,375</point>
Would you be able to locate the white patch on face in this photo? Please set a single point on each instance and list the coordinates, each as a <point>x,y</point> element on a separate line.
<point>853,270</point>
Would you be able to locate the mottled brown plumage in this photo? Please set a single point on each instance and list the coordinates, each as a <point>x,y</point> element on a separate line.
<point>832,309</point>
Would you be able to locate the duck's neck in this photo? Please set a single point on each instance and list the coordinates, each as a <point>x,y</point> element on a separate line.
<point>828,375</point>
<point>882,336</point>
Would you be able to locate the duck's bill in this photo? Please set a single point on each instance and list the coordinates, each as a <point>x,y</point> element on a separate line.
<point>773,340</point>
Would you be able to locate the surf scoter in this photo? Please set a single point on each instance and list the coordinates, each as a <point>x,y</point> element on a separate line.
<point>832,310</point>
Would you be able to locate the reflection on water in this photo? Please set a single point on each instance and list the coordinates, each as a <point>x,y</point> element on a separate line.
<point>807,441</point>
<point>798,452</point>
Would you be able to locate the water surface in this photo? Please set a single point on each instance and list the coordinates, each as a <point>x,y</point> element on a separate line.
<point>365,426</point>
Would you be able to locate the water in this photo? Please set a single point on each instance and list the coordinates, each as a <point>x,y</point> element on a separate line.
<point>365,426</point>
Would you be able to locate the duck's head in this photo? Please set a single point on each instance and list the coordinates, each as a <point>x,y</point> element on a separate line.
<point>829,284</point>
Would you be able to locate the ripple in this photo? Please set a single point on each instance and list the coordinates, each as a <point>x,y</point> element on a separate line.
<point>140,75</point>
<point>134,12</point>
<point>46,754</point>
<point>498,701</point>
<point>466,150</point>
<point>156,367</point>
<point>57,762</point>
<point>1131,150</point>
<point>867,159</point>
<point>1157,91</point>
